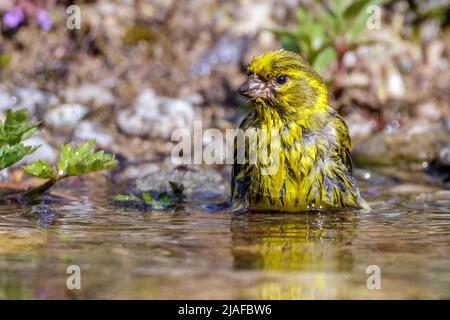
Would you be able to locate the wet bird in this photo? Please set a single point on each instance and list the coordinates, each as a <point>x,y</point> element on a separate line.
<point>292,152</point>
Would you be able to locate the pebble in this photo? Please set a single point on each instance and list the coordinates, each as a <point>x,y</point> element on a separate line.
<point>89,94</point>
<point>87,130</point>
<point>198,183</point>
<point>66,115</point>
<point>22,97</point>
<point>43,214</point>
<point>407,147</point>
<point>156,117</point>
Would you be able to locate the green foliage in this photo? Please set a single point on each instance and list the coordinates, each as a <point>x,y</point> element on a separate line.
<point>159,201</point>
<point>84,159</point>
<point>41,169</point>
<point>328,27</point>
<point>125,198</point>
<point>13,131</point>
<point>73,162</point>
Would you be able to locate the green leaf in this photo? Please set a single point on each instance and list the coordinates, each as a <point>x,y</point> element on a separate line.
<point>125,197</point>
<point>147,198</point>
<point>16,127</point>
<point>163,201</point>
<point>289,44</point>
<point>83,150</point>
<point>13,131</point>
<point>301,15</point>
<point>12,154</point>
<point>177,188</point>
<point>324,58</point>
<point>40,169</point>
<point>359,23</point>
<point>318,36</point>
<point>83,159</point>
<point>356,8</point>
<point>63,163</point>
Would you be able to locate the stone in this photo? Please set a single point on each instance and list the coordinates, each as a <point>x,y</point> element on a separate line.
<point>43,214</point>
<point>228,50</point>
<point>199,184</point>
<point>412,147</point>
<point>89,94</point>
<point>395,85</point>
<point>87,130</point>
<point>29,98</point>
<point>32,99</point>
<point>66,116</point>
<point>156,117</point>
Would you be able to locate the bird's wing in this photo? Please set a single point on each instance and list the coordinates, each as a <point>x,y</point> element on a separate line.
<point>343,141</point>
<point>237,167</point>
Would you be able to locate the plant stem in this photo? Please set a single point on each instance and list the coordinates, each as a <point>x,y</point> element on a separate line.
<point>34,193</point>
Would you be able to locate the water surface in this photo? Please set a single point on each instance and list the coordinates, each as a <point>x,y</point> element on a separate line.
<point>196,254</point>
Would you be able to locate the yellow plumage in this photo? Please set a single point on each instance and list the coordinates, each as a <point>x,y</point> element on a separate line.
<point>300,146</point>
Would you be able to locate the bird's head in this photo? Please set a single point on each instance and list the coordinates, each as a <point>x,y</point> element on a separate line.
<point>284,80</point>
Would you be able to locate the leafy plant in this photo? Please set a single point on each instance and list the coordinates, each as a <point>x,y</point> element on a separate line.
<point>74,161</point>
<point>326,32</point>
<point>13,131</point>
<point>159,201</point>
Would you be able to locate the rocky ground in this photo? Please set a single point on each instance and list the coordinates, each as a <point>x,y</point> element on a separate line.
<point>137,70</point>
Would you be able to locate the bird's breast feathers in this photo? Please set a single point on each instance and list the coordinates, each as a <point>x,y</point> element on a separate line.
<point>295,168</point>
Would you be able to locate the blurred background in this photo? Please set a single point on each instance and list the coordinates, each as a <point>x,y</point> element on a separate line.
<point>132,71</point>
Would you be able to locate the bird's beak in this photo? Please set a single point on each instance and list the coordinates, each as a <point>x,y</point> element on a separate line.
<point>254,88</point>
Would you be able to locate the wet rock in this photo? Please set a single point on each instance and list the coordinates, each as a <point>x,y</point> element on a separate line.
<point>412,147</point>
<point>133,172</point>
<point>156,117</point>
<point>444,156</point>
<point>89,94</point>
<point>199,184</point>
<point>43,214</point>
<point>359,126</point>
<point>87,130</point>
<point>65,116</point>
<point>439,167</point>
<point>435,196</point>
<point>411,188</point>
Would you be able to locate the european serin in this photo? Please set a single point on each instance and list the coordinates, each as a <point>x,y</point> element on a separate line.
<point>307,165</point>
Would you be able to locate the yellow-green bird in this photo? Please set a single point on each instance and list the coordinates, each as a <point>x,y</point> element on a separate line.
<point>306,163</point>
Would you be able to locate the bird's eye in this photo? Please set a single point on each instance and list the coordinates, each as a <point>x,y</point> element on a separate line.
<point>281,79</point>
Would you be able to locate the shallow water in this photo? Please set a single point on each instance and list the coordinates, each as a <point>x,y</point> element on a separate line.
<point>196,254</point>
